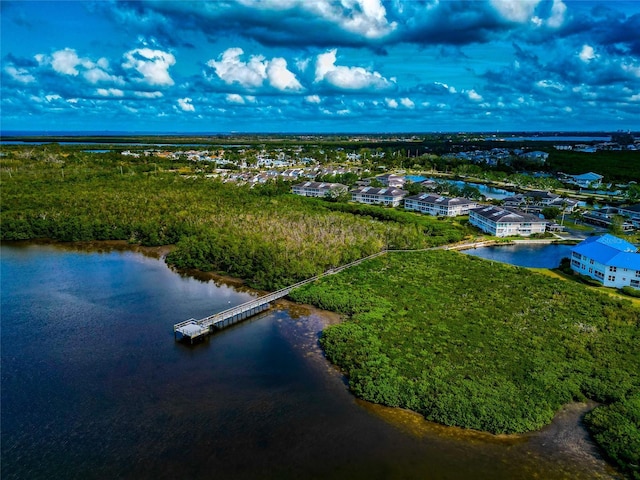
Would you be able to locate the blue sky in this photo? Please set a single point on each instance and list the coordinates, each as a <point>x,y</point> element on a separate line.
<point>320,66</point>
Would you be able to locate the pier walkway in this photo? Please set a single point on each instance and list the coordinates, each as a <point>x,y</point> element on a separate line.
<point>193,329</point>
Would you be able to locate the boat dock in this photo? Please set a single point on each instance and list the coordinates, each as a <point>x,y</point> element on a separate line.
<point>193,329</point>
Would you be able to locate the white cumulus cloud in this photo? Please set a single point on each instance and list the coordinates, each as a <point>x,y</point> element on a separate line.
<point>235,98</point>
<point>230,69</point>
<point>253,73</point>
<point>95,75</point>
<point>347,78</point>
<point>391,103</point>
<point>557,14</point>
<point>367,18</point>
<point>280,77</point>
<point>520,11</point>
<point>155,94</point>
<point>186,105</point>
<point>587,53</point>
<point>407,102</point>
<point>20,74</point>
<point>153,65</point>
<point>632,69</point>
<point>451,89</point>
<point>550,84</point>
<point>524,11</point>
<point>312,99</point>
<point>475,96</point>
<point>110,92</point>
<point>65,61</point>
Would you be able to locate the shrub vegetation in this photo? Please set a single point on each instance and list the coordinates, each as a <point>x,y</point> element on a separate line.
<point>617,428</point>
<point>264,235</point>
<point>481,345</point>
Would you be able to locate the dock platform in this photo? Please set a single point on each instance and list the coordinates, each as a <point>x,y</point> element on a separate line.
<point>193,329</point>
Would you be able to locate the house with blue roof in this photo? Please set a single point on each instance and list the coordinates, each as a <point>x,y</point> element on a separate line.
<point>587,180</point>
<point>608,259</point>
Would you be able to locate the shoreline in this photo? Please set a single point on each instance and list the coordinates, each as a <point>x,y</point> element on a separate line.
<point>565,437</point>
<point>563,442</point>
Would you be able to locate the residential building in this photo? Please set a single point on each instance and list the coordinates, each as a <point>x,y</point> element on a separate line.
<point>586,180</point>
<point>439,205</point>
<point>535,156</point>
<point>386,196</point>
<point>603,217</point>
<point>505,222</point>
<point>610,260</point>
<point>318,189</point>
<point>391,180</point>
<point>539,200</point>
<point>632,213</point>
<point>428,184</point>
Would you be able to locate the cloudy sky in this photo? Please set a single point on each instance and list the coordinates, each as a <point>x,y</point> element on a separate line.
<point>307,66</point>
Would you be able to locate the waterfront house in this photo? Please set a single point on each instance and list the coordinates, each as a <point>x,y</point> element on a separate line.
<point>610,260</point>
<point>439,205</point>
<point>318,189</point>
<point>505,222</point>
<point>385,196</point>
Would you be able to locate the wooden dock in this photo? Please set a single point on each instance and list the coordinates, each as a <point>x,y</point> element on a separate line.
<point>193,329</point>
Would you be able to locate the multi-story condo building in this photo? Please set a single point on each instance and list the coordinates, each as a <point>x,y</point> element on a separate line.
<point>386,196</point>
<point>318,189</point>
<point>391,180</point>
<point>632,213</point>
<point>537,200</point>
<point>610,260</point>
<point>439,205</point>
<point>505,222</point>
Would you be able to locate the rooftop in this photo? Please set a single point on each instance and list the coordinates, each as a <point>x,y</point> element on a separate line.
<point>430,198</point>
<point>611,251</point>
<point>499,214</point>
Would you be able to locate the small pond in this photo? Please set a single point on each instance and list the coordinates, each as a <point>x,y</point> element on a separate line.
<point>486,190</point>
<point>532,256</point>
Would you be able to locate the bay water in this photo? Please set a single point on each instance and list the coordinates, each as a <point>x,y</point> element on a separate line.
<point>95,387</point>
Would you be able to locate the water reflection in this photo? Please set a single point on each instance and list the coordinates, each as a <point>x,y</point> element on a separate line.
<point>93,386</point>
<point>528,255</point>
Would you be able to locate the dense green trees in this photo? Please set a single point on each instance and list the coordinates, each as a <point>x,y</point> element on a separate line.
<point>263,234</point>
<point>477,344</point>
<point>616,428</point>
<point>550,213</point>
<point>617,166</point>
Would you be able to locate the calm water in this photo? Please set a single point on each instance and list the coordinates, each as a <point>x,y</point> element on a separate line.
<point>486,190</point>
<point>94,386</point>
<point>533,256</point>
